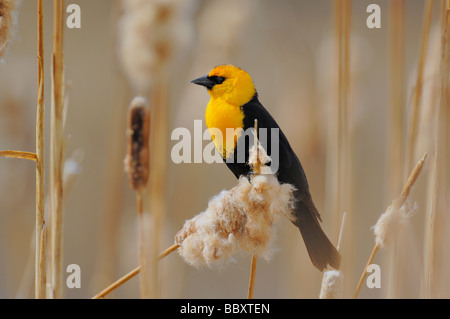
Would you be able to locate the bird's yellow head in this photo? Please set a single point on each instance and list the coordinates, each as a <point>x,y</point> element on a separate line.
<point>229,84</point>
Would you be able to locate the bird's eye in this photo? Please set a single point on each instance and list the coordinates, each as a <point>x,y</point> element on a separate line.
<point>217,79</point>
<point>220,79</point>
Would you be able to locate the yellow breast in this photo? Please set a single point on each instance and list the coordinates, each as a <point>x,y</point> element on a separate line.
<point>221,115</point>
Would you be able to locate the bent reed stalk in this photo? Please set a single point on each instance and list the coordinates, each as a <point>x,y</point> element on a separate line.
<point>131,274</point>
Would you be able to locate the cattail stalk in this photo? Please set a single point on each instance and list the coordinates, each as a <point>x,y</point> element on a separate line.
<point>40,268</point>
<point>343,184</point>
<point>397,118</point>
<point>137,165</point>
<point>158,181</point>
<point>440,202</point>
<point>132,274</point>
<point>256,170</point>
<point>57,149</point>
<point>396,136</point>
<point>343,106</point>
<point>72,170</point>
<point>381,234</point>
<point>411,145</point>
<point>251,285</point>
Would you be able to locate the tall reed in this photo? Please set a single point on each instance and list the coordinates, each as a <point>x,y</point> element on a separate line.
<point>343,166</point>
<point>7,17</point>
<point>440,201</point>
<point>57,150</point>
<point>41,266</point>
<point>137,165</point>
<point>412,130</point>
<point>396,137</point>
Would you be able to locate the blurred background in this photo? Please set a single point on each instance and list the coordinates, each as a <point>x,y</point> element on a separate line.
<point>289,48</point>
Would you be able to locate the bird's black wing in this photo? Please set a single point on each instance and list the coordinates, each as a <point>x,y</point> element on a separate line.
<point>307,218</point>
<point>290,169</point>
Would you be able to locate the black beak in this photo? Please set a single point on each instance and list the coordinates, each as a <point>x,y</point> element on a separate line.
<point>204,81</point>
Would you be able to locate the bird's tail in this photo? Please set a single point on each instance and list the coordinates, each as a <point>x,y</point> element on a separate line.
<point>320,249</point>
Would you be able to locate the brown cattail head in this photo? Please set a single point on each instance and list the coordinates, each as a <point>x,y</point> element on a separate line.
<point>7,21</point>
<point>137,160</point>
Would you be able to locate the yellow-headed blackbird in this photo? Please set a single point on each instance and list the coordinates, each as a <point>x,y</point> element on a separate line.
<point>234,104</point>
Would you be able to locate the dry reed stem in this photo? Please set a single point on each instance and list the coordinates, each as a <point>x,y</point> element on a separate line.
<point>137,165</point>
<point>339,30</point>
<point>41,267</point>
<point>344,176</point>
<point>397,115</point>
<point>343,161</point>
<point>440,202</point>
<point>142,257</point>
<point>364,274</point>
<point>341,232</point>
<point>157,188</point>
<point>344,107</point>
<point>40,263</point>
<point>411,145</point>
<point>412,180</point>
<point>251,284</point>
<point>57,149</point>
<point>256,170</point>
<point>131,274</point>
<point>427,140</point>
<point>431,225</point>
<point>19,154</point>
<point>72,169</point>
<point>396,136</point>
<point>399,202</point>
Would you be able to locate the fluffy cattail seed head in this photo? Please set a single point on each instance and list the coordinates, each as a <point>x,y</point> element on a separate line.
<point>332,285</point>
<point>243,217</point>
<point>137,160</point>
<point>149,34</point>
<point>389,223</point>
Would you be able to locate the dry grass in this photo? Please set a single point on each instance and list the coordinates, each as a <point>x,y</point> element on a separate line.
<point>57,150</point>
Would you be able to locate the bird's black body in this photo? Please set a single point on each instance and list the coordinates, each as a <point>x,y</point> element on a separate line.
<point>290,170</point>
